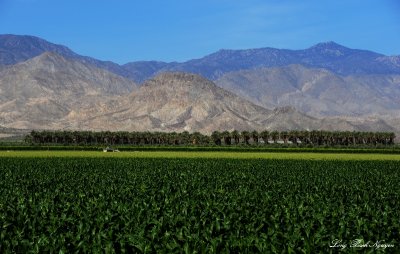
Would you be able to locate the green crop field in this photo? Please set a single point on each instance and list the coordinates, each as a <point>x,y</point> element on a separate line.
<point>195,154</point>
<point>78,202</point>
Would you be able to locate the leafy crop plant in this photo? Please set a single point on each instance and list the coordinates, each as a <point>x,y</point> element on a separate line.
<point>189,205</point>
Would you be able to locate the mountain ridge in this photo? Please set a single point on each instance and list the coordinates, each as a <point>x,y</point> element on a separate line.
<point>43,89</point>
<point>53,87</point>
<point>315,91</point>
<point>182,101</point>
<point>330,55</point>
<point>32,46</point>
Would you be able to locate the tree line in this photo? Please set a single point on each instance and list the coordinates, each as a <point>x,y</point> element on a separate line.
<point>295,137</point>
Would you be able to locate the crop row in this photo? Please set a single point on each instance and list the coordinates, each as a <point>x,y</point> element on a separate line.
<point>195,205</point>
<point>277,149</point>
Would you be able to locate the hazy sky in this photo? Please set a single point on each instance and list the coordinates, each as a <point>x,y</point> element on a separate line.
<point>177,30</point>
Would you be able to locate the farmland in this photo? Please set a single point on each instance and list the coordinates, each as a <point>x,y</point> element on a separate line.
<point>205,202</point>
<point>227,155</point>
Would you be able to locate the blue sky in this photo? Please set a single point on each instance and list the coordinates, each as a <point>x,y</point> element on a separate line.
<point>178,30</point>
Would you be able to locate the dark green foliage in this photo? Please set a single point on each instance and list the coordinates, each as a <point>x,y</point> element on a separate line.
<point>294,138</point>
<point>278,148</point>
<point>195,205</point>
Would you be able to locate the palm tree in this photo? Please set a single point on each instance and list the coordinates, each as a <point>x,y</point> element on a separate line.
<point>196,138</point>
<point>305,137</point>
<point>246,137</point>
<point>205,139</point>
<point>227,137</point>
<point>255,136</point>
<point>28,138</point>
<point>236,136</point>
<point>274,136</point>
<point>313,137</point>
<point>293,136</point>
<point>174,138</point>
<point>392,136</point>
<point>265,135</point>
<point>216,137</point>
<point>284,135</point>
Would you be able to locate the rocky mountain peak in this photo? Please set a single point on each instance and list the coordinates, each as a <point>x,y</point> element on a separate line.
<point>328,45</point>
<point>17,48</point>
<point>179,79</point>
<point>329,49</point>
<point>26,41</point>
<point>181,76</point>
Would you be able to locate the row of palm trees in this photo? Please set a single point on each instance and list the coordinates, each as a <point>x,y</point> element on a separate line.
<point>330,138</point>
<point>116,138</point>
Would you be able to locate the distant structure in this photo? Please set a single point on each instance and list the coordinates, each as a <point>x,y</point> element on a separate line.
<point>110,149</point>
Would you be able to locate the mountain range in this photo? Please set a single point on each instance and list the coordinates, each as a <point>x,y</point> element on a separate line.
<point>316,91</point>
<point>328,55</point>
<point>327,86</point>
